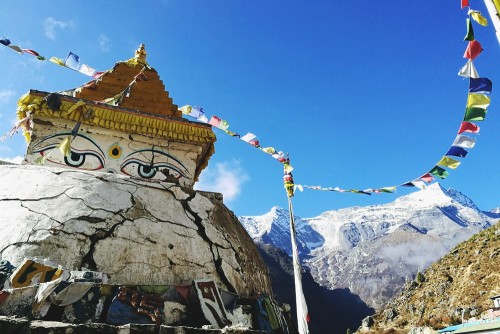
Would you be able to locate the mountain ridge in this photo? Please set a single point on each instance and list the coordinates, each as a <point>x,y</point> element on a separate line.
<point>373,250</point>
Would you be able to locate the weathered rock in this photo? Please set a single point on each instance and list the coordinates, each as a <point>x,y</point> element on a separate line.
<point>138,232</point>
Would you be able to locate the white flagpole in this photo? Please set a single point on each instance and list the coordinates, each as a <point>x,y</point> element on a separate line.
<point>300,300</point>
<point>494,15</point>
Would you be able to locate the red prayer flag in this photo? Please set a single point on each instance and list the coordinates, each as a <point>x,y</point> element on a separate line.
<point>473,50</point>
<point>468,127</point>
<point>465,3</point>
<point>31,52</point>
<point>214,121</point>
<point>427,178</point>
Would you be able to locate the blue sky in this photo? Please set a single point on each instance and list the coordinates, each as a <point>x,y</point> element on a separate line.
<point>361,94</point>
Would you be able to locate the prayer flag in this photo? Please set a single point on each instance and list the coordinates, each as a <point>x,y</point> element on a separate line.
<point>5,41</point>
<point>476,16</point>
<point>478,100</point>
<point>465,3</point>
<point>16,48</point>
<point>57,61</point>
<point>464,141</point>
<point>72,61</point>
<point>480,85</point>
<point>468,127</point>
<point>268,150</point>
<point>31,52</point>
<point>87,70</point>
<point>427,178</point>
<point>473,50</point>
<point>439,172</point>
<point>195,112</point>
<point>386,189</point>
<point>249,137</point>
<point>457,152</point>
<point>468,70</point>
<point>214,121</point>
<point>356,191</point>
<point>449,162</point>
<point>65,146</point>
<point>280,156</point>
<point>470,31</point>
<point>475,114</point>
<point>232,134</point>
<point>223,125</point>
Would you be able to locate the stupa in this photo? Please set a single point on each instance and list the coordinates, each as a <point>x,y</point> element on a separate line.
<point>122,122</point>
<point>101,223</point>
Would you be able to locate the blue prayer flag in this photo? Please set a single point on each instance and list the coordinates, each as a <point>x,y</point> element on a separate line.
<point>480,85</point>
<point>72,61</point>
<point>5,41</point>
<point>457,152</point>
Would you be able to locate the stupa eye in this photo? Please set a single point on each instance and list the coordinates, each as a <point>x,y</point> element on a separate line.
<point>147,172</point>
<point>85,154</point>
<point>153,164</point>
<point>83,160</point>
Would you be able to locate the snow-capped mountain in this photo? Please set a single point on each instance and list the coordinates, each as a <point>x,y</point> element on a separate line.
<point>274,228</point>
<point>372,250</point>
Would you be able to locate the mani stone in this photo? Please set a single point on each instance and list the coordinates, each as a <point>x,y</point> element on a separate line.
<point>137,232</point>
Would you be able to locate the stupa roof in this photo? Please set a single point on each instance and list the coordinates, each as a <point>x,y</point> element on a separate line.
<point>139,84</point>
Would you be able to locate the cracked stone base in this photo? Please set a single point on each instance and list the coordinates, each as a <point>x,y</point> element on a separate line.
<point>137,232</point>
<point>9,325</point>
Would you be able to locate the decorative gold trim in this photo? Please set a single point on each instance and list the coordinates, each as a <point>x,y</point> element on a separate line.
<point>91,113</point>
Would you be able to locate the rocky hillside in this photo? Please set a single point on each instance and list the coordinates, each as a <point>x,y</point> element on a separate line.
<point>459,285</point>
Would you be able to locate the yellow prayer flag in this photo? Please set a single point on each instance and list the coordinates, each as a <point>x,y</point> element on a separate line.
<point>186,110</point>
<point>497,5</point>
<point>57,61</point>
<point>449,162</point>
<point>387,189</point>
<point>65,146</point>
<point>268,150</point>
<point>478,101</point>
<point>476,16</point>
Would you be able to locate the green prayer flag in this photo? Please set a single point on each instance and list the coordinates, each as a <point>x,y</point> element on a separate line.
<point>439,172</point>
<point>470,31</point>
<point>474,114</point>
<point>387,189</point>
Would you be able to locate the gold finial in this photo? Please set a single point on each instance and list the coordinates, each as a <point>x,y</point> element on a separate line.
<point>140,54</point>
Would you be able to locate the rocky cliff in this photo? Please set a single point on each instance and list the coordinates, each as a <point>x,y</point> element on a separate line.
<point>455,288</point>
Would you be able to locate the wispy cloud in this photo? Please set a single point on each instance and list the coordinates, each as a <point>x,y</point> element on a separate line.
<point>225,177</point>
<point>14,160</point>
<point>5,95</point>
<point>50,25</point>
<point>104,43</point>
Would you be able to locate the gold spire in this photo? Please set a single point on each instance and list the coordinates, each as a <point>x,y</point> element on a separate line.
<point>140,54</point>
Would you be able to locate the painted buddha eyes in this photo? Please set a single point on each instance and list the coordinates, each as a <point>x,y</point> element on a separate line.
<point>85,154</point>
<point>151,164</point>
